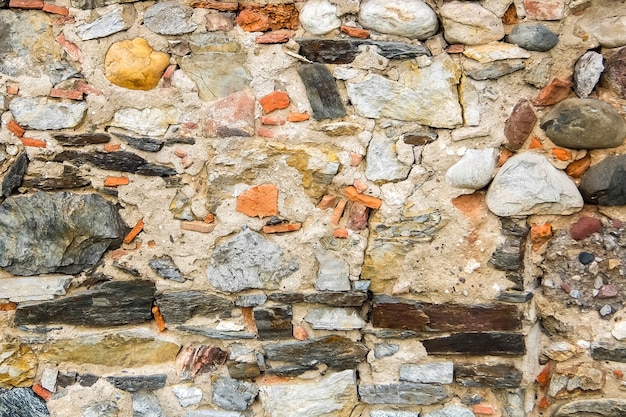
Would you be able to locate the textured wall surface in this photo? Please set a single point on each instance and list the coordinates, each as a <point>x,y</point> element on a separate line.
<point>312,208</point>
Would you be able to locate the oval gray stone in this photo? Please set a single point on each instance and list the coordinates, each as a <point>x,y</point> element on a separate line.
<point>533,37</point>
<point>605,182</point>
<point>50,115</point>
<point>169,18</point>
<point>578,123</point>
<point>410,18</point>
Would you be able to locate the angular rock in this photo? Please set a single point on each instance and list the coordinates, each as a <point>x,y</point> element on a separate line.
<point>519,124</point>
<point>133,64</point>
<point>321,89</point>
<point>491,70</point>
<point>585,227</point>
<point>187,394</point>
<point>113,303</point>
<point>603,183</point>
<point>120,18</point>
<point>607,351</point>
<point>166,268</point>
<point>22,402</point>
<point>319,17</point>
<point>390,413</point>
<point>404,394</point>
<point>533,37</point>
<point>451,411</point>
<point>382,160</point>
<point>578,123</point>
<point>102,409</point>
<point>382,350</point>
<point>212,413</point>
<point>259,201</point>
<point>32,113</point>
<point>412,19</point>
<point>587,72</point>
<point>495,51</point>
<point>34,288</point>
<point>427,95</point>
<point>232,394</point>
<point>217,333</point>
<point>335,351</point>
<point>331,298</point>
<point>609,31</point>
<point>568,380</point>
<point>81,139</point>
<point>474,170</point>
<point>254,18</point>
<point>146,404</point>
<point>150,121</point>
<point>603,407</point>
<point>544,9</point>
<point>15,175</point>
<point>18,366</point>
<point>179,306</point>
<point>509,255</point>
<point>78,229</point>
<point>143,143</point>
<point>528,184</point>
<point>138,383</point>
<point>334,319</point>
<point>70,178</point>
<point>116,161</point>
<point>492,376</point>
<point>560,351</point>
<point>273,322</point>
<point>333,273</point>
<point>243,370</point>
<point>248,260</point>
<point>201,359</point>
<point>515,296</point>
<point>334,395</point>
<point>250,300</point>
<point>230,116</point>
<point>614,76</point>
<point>477,344</point>
<point>428,373</point>
<point>469,23</point>
<point>169,18</point>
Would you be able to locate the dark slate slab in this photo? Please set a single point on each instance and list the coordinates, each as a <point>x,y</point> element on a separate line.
<point>143,143</point>
<point>138,383</point>
<point>321,89</point>
<point>477,344</point>
<point>513,296</point>
<point>178,307</point>
<point>343,51</point>
<point>113,303</point>
<point>243,370</point>
<point>22,402</point>
<point>508,256</point>
<point>286,297</point>
<point>116,161</point>
<point>87,380</point>
<point>404,393</point>
<point>605,182</point>
<point>273,322</point>
<point>14,176</point>
<point>82,139</point>
<point>607,351</point>
<point>330,298</point>
<point>165,267</point>
<point>335,351</point>
<point>290,370</point>
<point>493,376</point>
<point>70,178</point>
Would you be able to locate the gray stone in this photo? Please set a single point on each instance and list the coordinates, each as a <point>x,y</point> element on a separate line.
<point>34,288</point>
<point>102,409</point>
<point>216,74</point>
<point>166,268</point>
<point>390,413</point>
<point>404,393</point>
<point>179,306</point>
<point>117,20</point>
<point>232,394</point>
<point>218,334</point>
<point>474,170</point>
<point>187,394</point>
<point>334,319</point>
<point>146,404</point>
<point>333,273</point>
<point>319,17</point>
<point>14,176</point>
<point>250,300</point>
<point>601,407</point>
<point>49,378</point>
<point>428,373</point>
<point>382,350</point>
<point>584,123</point>
<point>513,401</point>
<point>59,232</point>
<point>451,411</point>
<point>212,413</point>
<point>335,351</point>
<point>492,376</point>
<point>533,37</point>
<point>169,18</point>
<point>50,114</point>
<point>138,382</point>
<point>587,73</point>
<point>382,159</point>
<point>491,70</point>
<point>607,351</point>
<point>143,143</point>
<point>537,72</point>
<point>321,90</point>
<point>22,402</point>
<point>528,184</point>
<point>248,260</point>
<point>412,19</point>
<point>469,23</point>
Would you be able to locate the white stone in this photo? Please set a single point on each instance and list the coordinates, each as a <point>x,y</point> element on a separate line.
<point>470,132</point>
<point>334,395</point>
<point>169,18</point>
<point>495,51</point>
<point>187,394</point>
<point>382,160</point>
<point>334,319</point>
<point>344,73</point>
<point>410,18</point>
<point>319,17</point>
<point>346,6</point>
<point>151,121</point>
<point>470,102</point>
<point>117,20</point>
<point>619,330</point>
<point>528,184</point>
<point>49,379</point>
<point>48,114</point>
<point>39,288</point>
<point>497,7</point>
<point>587,73</point>
<point>469,23</point>
<point>474,170</point>
<point>428,373</point>
<point>609,31</point>
<point>333,273</point>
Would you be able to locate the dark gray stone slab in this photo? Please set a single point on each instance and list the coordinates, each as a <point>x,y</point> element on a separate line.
<point>82,139</point>
<point>330,298</point>
<point>608,351</point>
<point>22,402</point>
<point>143,143</point>
<point>178,307</point>
<point>146,404</point>
<point>605,183</point>
<point>343,51</point>
<point>513,296</point>
<point>493,376</point>
<point>404,393</point>
<point>58,232</point>
<point>321,89</point>
<point>116,161</point>
<point>290,370</point>
<point>138,383</point>
<point>508,256</point>
<point>14,176</point>
<point>335,351</point>
<point>477,344</point>
<point>273,322</point>
<point>600,407</point>
<point>165,267</point>
<point>234,395</point>
<point>113,303</point>
<point>243,370</point>
<point>70,178</point>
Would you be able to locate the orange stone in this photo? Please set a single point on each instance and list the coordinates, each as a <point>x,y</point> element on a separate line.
<point>259,201</point>
<point>158,317</point>
<point>26,4</point>
<point>300,333</point>
<point>134,232</point>
<point>554,92</point>
<point>471,205</point>
<point>618,374</point>
<point>544,376</point>
<point>485,409</point>
<point>282,228</point>
<point>215,5</point>
<point>298,117</point>
<point>112,147</point>
<point>544,403</point>
<point>539,234</point>
<point>274,101</point>
<point>355,158</point>
<point>265,132</point>
<point>328,201</point>
<point>535,143</point>
<point>504,156</point>
<point>152,244</point>
<point>8,306</point>
<point>338,212</point>
<point>510,16</point>
<point>366,200</point>
<point>456,49</point>
<point>278,36</point>
<point>34,143</point>
<point>209,218</point>
<point>355,32</point>
<point>70,94</point>
<point>51,8</point>
<point>115,181</point>
<point>16,129</point>
<point>42,392</point>
<point>255,18</point>
<point>562,154</point>
<point>577,168</point>
<point>340,233</point>
<point>198,226</point>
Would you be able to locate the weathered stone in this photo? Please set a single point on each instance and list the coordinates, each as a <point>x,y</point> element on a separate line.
<point>390,413</point>
<point>254,18</point>
<point>34,288</point>
<point>331,298</point>
<point>143,143</point>
<point>187,394</point>
<point>585,227</point>
<point>113,303</point>
<point>198,360</point>
<point>344,51</point>
<point>273,322</point>
<point>603,183</point>
<point>14,176</point>
<point>428,373</point>
<point>145,404</point>
<point>451,411</point>
<point>217,333</point>
<point>179,306</point>
<point>133,64</point>
<point>568,380</point>
<point>166,268</point>
<point>87,380</point>
<point>604,407</point>
<point>473,344</point>
<point>102,409</point>
<point>248,260</point>
<point>578,123</point>
<point>533,37</point>
<point>334,395</point>
<point>382,159</point>
<point>560,351</point>
<point>469,23</point>
<point>514,296</point>
<point>232,394</point>
<point>250,300</point>
<point>79,228</point>
<point>495,51</point>
<point>405,393</point>
<point>150,121</point>
<point>81,139</point>
<point>120,18</point>
<point>587,73</point>
<point>335,351</point>
<point>427,95</point>
<point>18,366</point>
<point>169,18</point>
<point>607,351</point>
<point>334,319</point>
<point>116,161</point>
<point>230,116</point>
<point>243,370</point>
<point>519,124</point>
<point>508,255</point>
<point>382,350</point>
<point>610,31</point>
<point>319,17</point>
<point>212,413</point>
<point>50,114</point>
<point>493,376</point>
<point>321,89</point>
<point>259,201</point>
<point>412,19</point>
<point>22,402</point>
<point>474,170</point>
<point>333,273</point>
<point>138,383</point>
<point>491,70</point>
<point>614,75</point>
<point>529,184</point>
<point>419,138</point>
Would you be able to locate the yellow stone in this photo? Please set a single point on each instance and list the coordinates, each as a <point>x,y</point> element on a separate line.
<point>133,64</point>
<point>18,365</point>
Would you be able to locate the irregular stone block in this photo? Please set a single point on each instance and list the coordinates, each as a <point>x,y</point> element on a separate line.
<point>333,273</point>
<point>469,23</point>
<point>34,288</point>
<point>49,114</point>
<point>404,393</point>
<point>231,116</point>
<point>382,160</point>
<point>197,360</point>
<point>382,350</point>
<point>117,20</point>
<point>493,376</point>
<point>491,70</point>
<point>218,334</point>
<point>212,413</point>
<point>232,394</point>
<point>474,170</point>
<point>321,89</point>
<point>133,64</point>
<point>606,351</point>
<point>15,175</point>
<point>18,366</point>
<point>169,18</point>
<point>146,404</point>
<point>390,413</point>
<point>533,37</point>
<point>250,300</point>
<point>603,183</point>
<point>187,394</point>
<point>243,370</point>
<point>255,18</point>
<point>412,19</point>
<point>259,201</point>
<point>344,51</point>
<point>319,17</point>
<point>22,402</point>
<point>179,306</point>
<point>427,373</point>
<point>273,322</point>
<point>70,178</point>
<point>473,344</point>
<point>116,161</point>
<point>81,139</point>
<point>519,125</point>
<point>331,298</point>
<point>451,411</point>
<point>143,143</point>
<point>102,409</point>
<point>138,383</point>
<point>604,407</point>
<point>334,319</point>
<point>166,268</point>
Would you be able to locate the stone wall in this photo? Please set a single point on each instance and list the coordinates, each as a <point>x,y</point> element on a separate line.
<point>312,208</point>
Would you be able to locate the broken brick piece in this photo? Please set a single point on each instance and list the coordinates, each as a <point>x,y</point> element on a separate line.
<point>13,89</point>
<point>42,392</point>
<point>298,117</point>
<point>34,143</point>
<point>115,181</point>
<point>456,49</point>
<point>338,212</point>
<point>70,94</point>
<point>484,409</point>
<point>112,147</point>
<point>355,32</point>
<point>544,376</point>
<point>209,218</point>
<point>70,47</point>
<point>328,201</point>
<point>504,156</point>
<point>16,129</point>
<point>134,232</point>
<point>215,5</point>
<point>197,226</point>
<point>535,143</point>
<point>26,4</point>
<point>277,36</point>
<point>282,228</point>
<point>554,92</point>
<point>8,306</point>
<point>273,121</point>
<point>265,132</point>
<point>366,200</point>
<point>51,8</point>
<point>577,168</point>
<point>562,154</point>
<point>259,201</point>
<point>158,317</point>
<point>340,233</point>
<point>274,101</point>
<point>87,88</point>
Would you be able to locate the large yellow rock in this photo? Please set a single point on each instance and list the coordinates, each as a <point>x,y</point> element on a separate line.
<point>133,64</point>
<point>18,365</point>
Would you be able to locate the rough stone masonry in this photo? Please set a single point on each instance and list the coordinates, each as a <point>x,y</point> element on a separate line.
<point>312,208</point>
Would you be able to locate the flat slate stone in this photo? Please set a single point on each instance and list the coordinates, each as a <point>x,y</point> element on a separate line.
<point>404,393</point>
<point>13,178</point>
<point>508,255</point>
<point>477,344</point>
<point>330,298</point>
<point>70,178</point>
<point>113,303</point>
<point>82,139</point>
<point>218,334</point>
<point>605,182</point>
<point>232,394</point>
<point>22,402</point>
<point>344,51</point>
<point>493,376</point>
<point>273,322</point>
<point>601,407</point>
<point>165,267</point>
<point>138,383</point>
<point>335,351</point>
<point>607,351</point>
<point>116,161</point>
<point>179,306</point>
<point>146,404</point>
<point>427,373</point>
<point>143,143</point>
<point>321,89</point>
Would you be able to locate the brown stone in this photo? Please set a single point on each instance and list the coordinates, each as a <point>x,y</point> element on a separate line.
<point>355,32</point>
<point>261,201</point>
<point>492,376</point>
<point>357,217</point>
<point>231,116</point>
<point>201,359</point>
<point>243,370</point>
<point>253,18</point>
<point>215,5</point>
<point>273,322</point>
<point>519,124</point>
<point>220,22</point>
<point>133,64</point>
<point>557,90</point>
<point>279,36</point>
<point>544,9</point>
<point>16,129</point>
<point>584,227</point>
<point>577,168</point>
<point>510,16</point>
<point>477,344</point>
<point>540,234</point>
<point>614,75</point>
<point>274,101</point>
<point>608,291</point>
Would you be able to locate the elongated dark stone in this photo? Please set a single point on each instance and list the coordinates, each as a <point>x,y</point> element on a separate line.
<point>321,89</point>
<point>606,351</point>
<point>494,376</point>
<point>273,322</point>
<point>143,143</point>
<point>82,139</point>
<point>330,298</point>
<point>116,161</point>
<point>138,383</point>
<point>477,344</point>
<point>70,179</point>
<point>343,51</point>
<point>178,307</point>
<point>13,178</point>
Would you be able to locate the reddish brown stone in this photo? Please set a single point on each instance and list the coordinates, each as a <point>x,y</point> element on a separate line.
<point>561,154</point>
<point>396,315</point>
<point>254,18</point>
<point>357,217</point>
<point>355,32</point>
<point>483,409</point>
<point>265,132</point>
<point>544,9</point>
<point>477,344</point>
<point>197,226</point>
<point>614,75</point>
<point>554,92</point>
<point>279,36</point>
<point>519,124</point>
<point>272,121</point>
<point>544,376</point>
<point>261,201</point>
<point>493,376</point>
<point>34,143</point>
<point>282,228</point>
<point>274,101</point>
<point>26,4</point>
<point>13,89</point>
<point>201,359</point>
<point>215,5</point>
<point>220,22</point>
<point>112,147</point>
<point>328,201</point>
<point>8,306</point>
<point>70,48</point>
<point>231,116</point>
<point>608,291</point>
<point>456,49</point>
<point>577,168</point>
<point>87,89</point>
<point>158,318</point>
<point>510,16</point>
<point>51,8</point>
<point>70,94</point>
<point>584,227</point>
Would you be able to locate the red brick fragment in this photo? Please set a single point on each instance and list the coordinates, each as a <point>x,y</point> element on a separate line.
<point>338,212</point>
<point>87,89</point>
<point>272,121</point>
<point>278,36</point>
<point>566,287</point>
<point>540,234</point>
<point>209,218</point>
<point>158,318</point>
<point>341,233</point>
<point>112,147</point>
<point>16,129</point>
<point>51,8</point>
<point>70,94</point>
<point>618,374</point>
<point>274,101</point>
<point>561,154</point>
<point>26,4</point>
<point>42,392</point>
<point>366,200</point>
<point>134,232</point>
<point>535,143</point>
<point>62,20</point>
<point>197,226</point>
<point>200,359</point>
<point>355,32</point>
<point>180,153</point>
<point>544,376</point>
<point>328,201</point>
<point>585,227</point>
<point>300,333</point>
<point>265,132</point>
<point>456,49</point>
<point>357,217</point>
<point>282,228</point>
<point>544,403</point>
<point>298,117</point>
<point>34,143</point>
<point>13,89</point>
<point>554,92</point>
<point>152,244</point>
<point>69,47</point>
<point>110,181</point>
<point>360,186</point>
<point>261,201</point>
<point>504,156</point>
<point>231,116</point>
<point>355,159</point>
<point>483,409</point>
<point>8,306</point>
